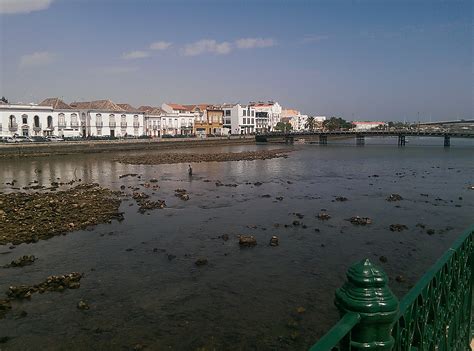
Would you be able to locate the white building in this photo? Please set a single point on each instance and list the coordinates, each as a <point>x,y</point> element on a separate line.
<point>177,119</point>
<point>239,119</point>
<point>65,120</point>
<point>105,118</point>
<point>153,116</point>
<point>360,126</point>
<point>298,122</point>
<point>50,117</point>
<point>267,115</point>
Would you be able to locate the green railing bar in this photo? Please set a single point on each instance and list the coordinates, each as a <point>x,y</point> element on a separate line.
<point>413,294</point>
<point>369,308</point>
<point>337,332</point>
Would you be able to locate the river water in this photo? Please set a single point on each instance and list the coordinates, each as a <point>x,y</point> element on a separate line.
<point>140,295</point>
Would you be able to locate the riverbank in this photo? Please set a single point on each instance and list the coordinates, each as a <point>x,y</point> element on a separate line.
<point>87,147</point>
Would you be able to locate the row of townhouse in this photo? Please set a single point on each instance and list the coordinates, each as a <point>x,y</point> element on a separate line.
<point>106,118</point>
<point>77,119</point>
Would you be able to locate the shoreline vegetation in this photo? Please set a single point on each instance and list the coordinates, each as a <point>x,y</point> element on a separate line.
<point>172,157</point>
<point>29,217</point>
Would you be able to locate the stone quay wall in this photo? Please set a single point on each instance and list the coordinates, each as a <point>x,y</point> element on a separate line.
<point>84,147</point>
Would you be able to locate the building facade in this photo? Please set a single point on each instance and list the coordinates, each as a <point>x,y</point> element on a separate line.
<point>238,119</point>
<point>267,115</point>
<point>153,116</point>
<point>177,119</point>
<point>51,117</point>
<point>208,121</point>
<point>105,118</point>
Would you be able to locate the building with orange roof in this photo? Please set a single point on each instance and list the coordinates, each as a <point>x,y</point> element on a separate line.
<point>177,119</point>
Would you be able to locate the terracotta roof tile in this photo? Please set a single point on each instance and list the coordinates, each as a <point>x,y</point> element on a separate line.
<point>179,107</point>
<point>103,105</point>
<point>56,103</point>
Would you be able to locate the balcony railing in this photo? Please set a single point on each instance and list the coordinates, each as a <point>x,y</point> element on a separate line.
<point>123,124</point>
<point>136,124</point>
<point>112,124</point>
<point>13,127</point>
<point>62,124</point>
<point>99,124</point>
<point>74,124</point>
<point>434,315</point>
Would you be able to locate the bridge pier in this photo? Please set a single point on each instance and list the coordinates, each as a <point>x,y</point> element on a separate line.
<point>447,140</point>
<point>360,140</point>
<point>289,140</point>
<point>323,139</point>
<point>401,140</point>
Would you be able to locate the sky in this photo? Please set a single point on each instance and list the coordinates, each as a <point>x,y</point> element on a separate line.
<point>360,60</point>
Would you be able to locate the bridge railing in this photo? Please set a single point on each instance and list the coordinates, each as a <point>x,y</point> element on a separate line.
<point>435,314</point>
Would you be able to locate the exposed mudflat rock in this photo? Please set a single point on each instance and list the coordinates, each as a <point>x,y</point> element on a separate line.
<point>169,157</point>
<point>29,217</point>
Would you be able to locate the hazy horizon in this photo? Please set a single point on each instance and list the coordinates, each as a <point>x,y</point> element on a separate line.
<point>359,60</point>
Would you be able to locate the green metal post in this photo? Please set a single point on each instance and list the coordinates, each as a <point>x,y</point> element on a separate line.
<point>366,292</point>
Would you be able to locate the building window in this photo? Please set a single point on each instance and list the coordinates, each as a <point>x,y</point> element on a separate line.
<point>245,112</point>
<point>50,122</point>
<point>98,121</point>
<point>24,119</point>
<point>253,121</point>
<point>74,122</point>
<point>112,121</point>
<point>62,120</point>
<point>253,113</point>
<point>227,112</point>
<point>36,121</point>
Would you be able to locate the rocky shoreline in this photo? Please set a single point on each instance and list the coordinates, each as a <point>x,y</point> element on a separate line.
<point>171,157</point>
<point>29,217</point>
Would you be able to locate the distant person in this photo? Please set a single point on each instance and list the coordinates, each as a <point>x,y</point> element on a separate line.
<point>190,171</point>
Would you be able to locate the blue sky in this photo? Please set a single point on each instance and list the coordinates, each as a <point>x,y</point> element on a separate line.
<point>363,60</point>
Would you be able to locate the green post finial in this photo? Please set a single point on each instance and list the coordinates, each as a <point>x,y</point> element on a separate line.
<point>366,292</point>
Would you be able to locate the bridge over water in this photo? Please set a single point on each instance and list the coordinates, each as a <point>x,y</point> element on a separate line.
<point>359,136</point>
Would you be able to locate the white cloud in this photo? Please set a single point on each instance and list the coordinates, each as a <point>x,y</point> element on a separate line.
<point>207,46</point>
<point>251,43</point>
<point>313,39</point>
<point>160,45</point>
<point>135,55</point>
<point>23,6</point>
<point>40,58</point>
<point>119,69</point>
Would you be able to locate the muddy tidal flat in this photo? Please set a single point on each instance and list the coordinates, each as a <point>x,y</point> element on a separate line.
<point>29,217</point>
<point>170,158</point>
<point>242,255</point>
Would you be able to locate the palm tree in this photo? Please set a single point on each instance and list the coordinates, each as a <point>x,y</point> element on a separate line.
<point>310,123</point>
